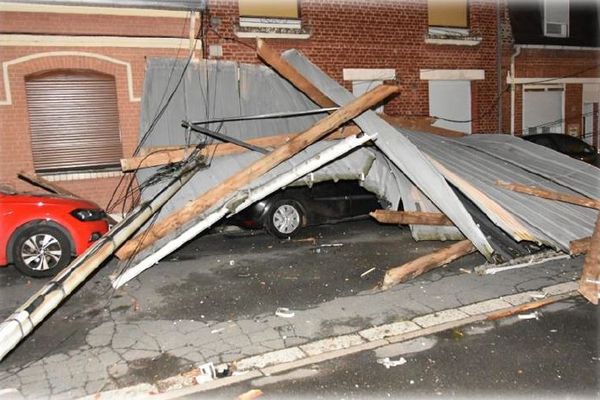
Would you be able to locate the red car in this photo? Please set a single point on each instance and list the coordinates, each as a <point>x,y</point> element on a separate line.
<point>40,234</point>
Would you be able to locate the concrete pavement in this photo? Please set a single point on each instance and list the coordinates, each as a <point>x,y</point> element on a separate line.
<point>215,301</point>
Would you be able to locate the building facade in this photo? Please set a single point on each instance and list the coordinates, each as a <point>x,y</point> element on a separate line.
<point>555,68</point>
<point>73,71</point>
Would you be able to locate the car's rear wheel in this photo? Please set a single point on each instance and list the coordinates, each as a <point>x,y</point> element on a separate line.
<point>41,251</point>
<point>284,219</point>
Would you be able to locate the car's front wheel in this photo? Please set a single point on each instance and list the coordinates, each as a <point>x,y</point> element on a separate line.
<point>41,251</point>
<point>284,219</point>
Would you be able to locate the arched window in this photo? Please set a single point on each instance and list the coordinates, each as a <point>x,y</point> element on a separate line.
<point>74,121</point>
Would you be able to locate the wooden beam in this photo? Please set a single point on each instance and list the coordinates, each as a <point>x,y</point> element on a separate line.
<point>35,180</point>
<point>550,194</point>
<point>426,263</point>
<point>164,155</point>
<point>419,124</point>
<point>240,179</point>
<point>410,217</point>
<point>522,308</point>
<point>272,58</point>
<point>580,246</point>
<point>589,284</point>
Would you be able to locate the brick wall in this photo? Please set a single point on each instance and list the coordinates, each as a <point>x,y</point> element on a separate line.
<point>573,111</point>
<point>382,34</point>
<point>343,34</point>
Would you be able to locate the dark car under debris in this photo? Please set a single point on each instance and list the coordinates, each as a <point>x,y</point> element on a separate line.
<point>285,212</point>
<point>566,144</point>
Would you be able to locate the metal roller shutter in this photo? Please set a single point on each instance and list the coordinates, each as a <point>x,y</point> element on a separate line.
<point>74,121</point>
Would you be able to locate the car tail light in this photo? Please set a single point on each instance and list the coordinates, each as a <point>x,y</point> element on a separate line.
<point>88,215</point>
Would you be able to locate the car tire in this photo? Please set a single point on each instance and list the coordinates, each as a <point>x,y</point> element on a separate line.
<point>41,251</point>
<point>284,219</point>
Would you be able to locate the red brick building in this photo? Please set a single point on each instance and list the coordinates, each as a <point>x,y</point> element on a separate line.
<point>555,68</point>
<point>73,70</point>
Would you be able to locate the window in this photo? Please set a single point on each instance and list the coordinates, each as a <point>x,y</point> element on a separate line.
<point>542,109</point>
<point>448,13</point>
<point>556,18</point>
<point>451,100</point>
<point>74,121</point>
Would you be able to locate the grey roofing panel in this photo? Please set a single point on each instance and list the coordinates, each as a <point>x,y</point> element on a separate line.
<point>557,167</point>
<point>551,222</point>
<point>401,152</point>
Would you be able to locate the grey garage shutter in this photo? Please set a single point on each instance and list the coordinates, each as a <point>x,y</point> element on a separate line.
<point>74,121</point>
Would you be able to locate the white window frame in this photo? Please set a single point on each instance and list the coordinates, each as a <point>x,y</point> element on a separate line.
<point>564,24</point>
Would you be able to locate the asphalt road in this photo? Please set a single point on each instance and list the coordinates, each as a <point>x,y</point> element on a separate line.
<point>554,356</point>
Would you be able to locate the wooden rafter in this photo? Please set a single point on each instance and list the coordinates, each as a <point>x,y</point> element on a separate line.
<point>410,217</point>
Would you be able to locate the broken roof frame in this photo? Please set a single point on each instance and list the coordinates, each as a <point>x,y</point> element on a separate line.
<point>430,174</point>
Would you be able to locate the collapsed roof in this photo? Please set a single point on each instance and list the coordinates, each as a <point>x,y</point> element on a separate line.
<point>424,171</point>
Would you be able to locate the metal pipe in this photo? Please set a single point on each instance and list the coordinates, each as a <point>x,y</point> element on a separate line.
<point>286,114</point>
<point>223,137</point>
<point>512,89</point>
<point>35,310</point>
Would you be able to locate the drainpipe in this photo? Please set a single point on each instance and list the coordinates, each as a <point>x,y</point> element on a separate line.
<point>512,89</point>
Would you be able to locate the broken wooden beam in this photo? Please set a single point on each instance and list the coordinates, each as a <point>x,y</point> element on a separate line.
<point>161,156</point>
<point>550,194</point>
<point>580,246</point>
<point>410,217</point>
<point>426,263</point>
<point>38,181</point>
<point>195,207</point>
<point>589,284</point>
<point>523,308</point>
<point>272,58</point>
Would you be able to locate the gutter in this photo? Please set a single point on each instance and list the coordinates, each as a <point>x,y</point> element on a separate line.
<point>512,89</point>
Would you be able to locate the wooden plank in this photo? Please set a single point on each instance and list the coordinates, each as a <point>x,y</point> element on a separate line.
<point>589,284</point>
<point>196,207</point>
<point>550,194</point>
<point>580,246</point>
<point>426,263</point>
<point>522,308</point>
<point>272,58</point>
<point>419,124</point>
<point>164,155</point>
<point>410,217</point>
<point>38,181</point>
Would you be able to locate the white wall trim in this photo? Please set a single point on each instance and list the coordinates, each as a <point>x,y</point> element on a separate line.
<point>7,93</point>
<point>556,47</point>
<point>369,74</point>
<point>63,9</point>
<point>271,35</point>
<point>452,74</point>
<point>453,42</point>
<point>551,80</point>
<point>94,41</point>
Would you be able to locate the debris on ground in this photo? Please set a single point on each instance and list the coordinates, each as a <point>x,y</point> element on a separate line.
<point>284,312</point>
<point>367,272</point>
<point>250,395</point>
<point>387,363</point>
<point>533,315</point>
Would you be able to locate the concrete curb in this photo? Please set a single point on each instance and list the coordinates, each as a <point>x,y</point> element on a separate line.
<point>326,349</point>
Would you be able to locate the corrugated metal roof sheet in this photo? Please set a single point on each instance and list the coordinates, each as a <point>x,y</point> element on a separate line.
<point>551,222</point>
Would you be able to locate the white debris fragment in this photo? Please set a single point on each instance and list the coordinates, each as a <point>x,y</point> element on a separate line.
<point>538,295</point>
<point>533,315</point>
<point>284,312</point>
<point>332,244</point>
<point>217,330</point>
<point>387,363</point>
<point>207,373</point>
<point>367,272</point>
<point>231,262</point>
